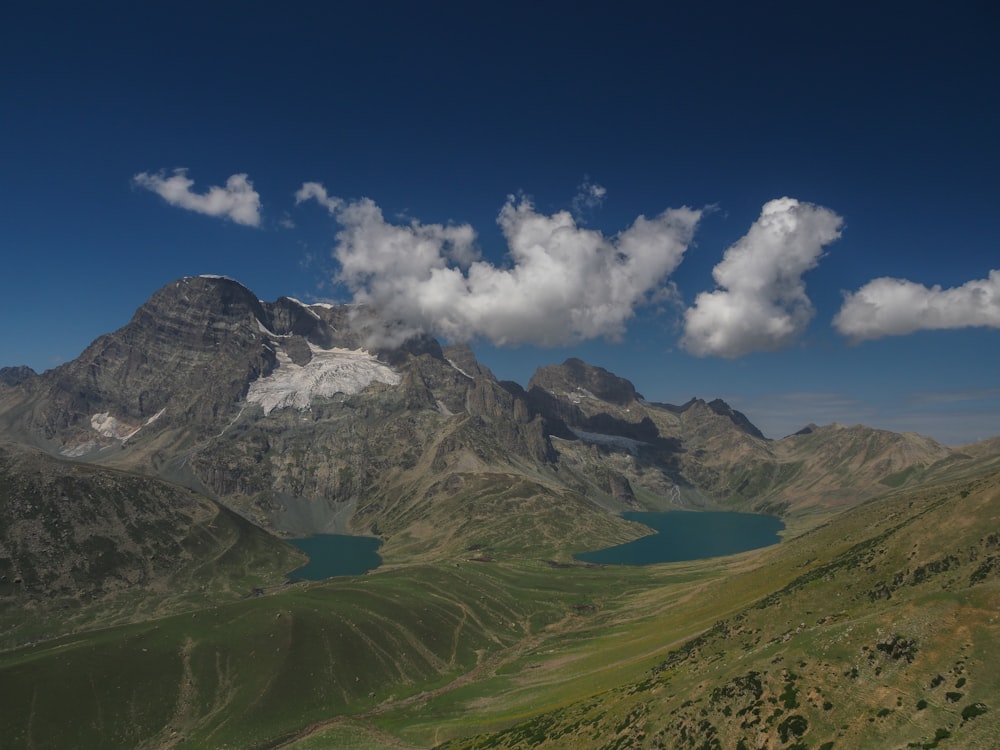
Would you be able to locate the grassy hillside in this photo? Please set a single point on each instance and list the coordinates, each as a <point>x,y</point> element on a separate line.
<point>879,630</point>
<point>82,546</point>
<point>876,629</point>
<point>247,674</point>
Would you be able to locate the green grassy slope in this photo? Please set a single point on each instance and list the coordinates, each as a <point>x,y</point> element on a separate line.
<point>249,673</point>
<point>875,629</point>
<point>879,631</point>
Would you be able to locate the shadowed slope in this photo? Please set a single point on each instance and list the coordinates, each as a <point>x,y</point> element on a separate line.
<point>81,545</point>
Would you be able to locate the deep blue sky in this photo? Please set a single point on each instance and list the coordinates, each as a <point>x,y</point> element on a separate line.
<point>885,114</point>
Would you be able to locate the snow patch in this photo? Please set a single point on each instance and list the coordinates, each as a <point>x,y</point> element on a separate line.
<point>112,427</point>
<point>80,450</point>
<point>117,429</point>
<point>459,369</point>
<point>610,441</point>
<point>154,417</point>
<point>268,332</point>
<point>304,306</point>
<point>330,371</point>
<point>232,421</point>
<point>579,393</point>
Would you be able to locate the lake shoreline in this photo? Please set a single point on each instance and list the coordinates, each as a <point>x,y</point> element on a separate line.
<point>335,555</point>
<point>683,536</point>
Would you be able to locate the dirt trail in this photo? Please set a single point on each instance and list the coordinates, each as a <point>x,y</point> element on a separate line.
<point>172,733</point>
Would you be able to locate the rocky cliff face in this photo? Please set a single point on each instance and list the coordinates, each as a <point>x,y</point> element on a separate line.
<point>10,376</point>
<point>187,357</point>
<point>575,379</point>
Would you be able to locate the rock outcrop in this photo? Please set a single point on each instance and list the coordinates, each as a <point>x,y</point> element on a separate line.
<point>10,376</point>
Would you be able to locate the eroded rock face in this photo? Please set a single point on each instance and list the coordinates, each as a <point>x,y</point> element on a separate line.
<point>11,376</point>
<point>462,358</point>
<point>504,407</point>
<point>192,349</point>
<point>189,355</point>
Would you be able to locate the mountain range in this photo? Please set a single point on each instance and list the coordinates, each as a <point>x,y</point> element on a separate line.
<point>155,476</point>
<point>276,410</point>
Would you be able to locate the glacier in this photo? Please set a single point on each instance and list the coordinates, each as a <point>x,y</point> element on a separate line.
<point>330,371</point>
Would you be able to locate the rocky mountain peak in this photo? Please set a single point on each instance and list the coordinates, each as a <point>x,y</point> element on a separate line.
<point>576,376</point>
<point>189,353</point>
<point>738,418</point>
<point>462,358</point>
<point>210,294</point>
<point>698,407</point>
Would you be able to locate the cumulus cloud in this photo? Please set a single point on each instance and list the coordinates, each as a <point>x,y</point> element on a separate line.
<point>893,307</point>
<point>761,304</point>
<point>563,283</point>
<point>237,201</point>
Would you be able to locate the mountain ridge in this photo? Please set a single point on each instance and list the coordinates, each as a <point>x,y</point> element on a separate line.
<point>277,410</point>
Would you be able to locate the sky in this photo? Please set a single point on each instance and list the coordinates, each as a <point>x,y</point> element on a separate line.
<point>790,206</point>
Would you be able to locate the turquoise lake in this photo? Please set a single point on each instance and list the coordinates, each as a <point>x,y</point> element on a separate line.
<point>690,535</point>
<point>333,555</point>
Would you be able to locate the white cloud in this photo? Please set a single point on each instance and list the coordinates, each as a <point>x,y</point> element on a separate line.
<point>893,307</point>
<point>237,201</point>
<point>589,196</point>
<point>317,192</point>
<point>563,283</point>
<point>762,304</point>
